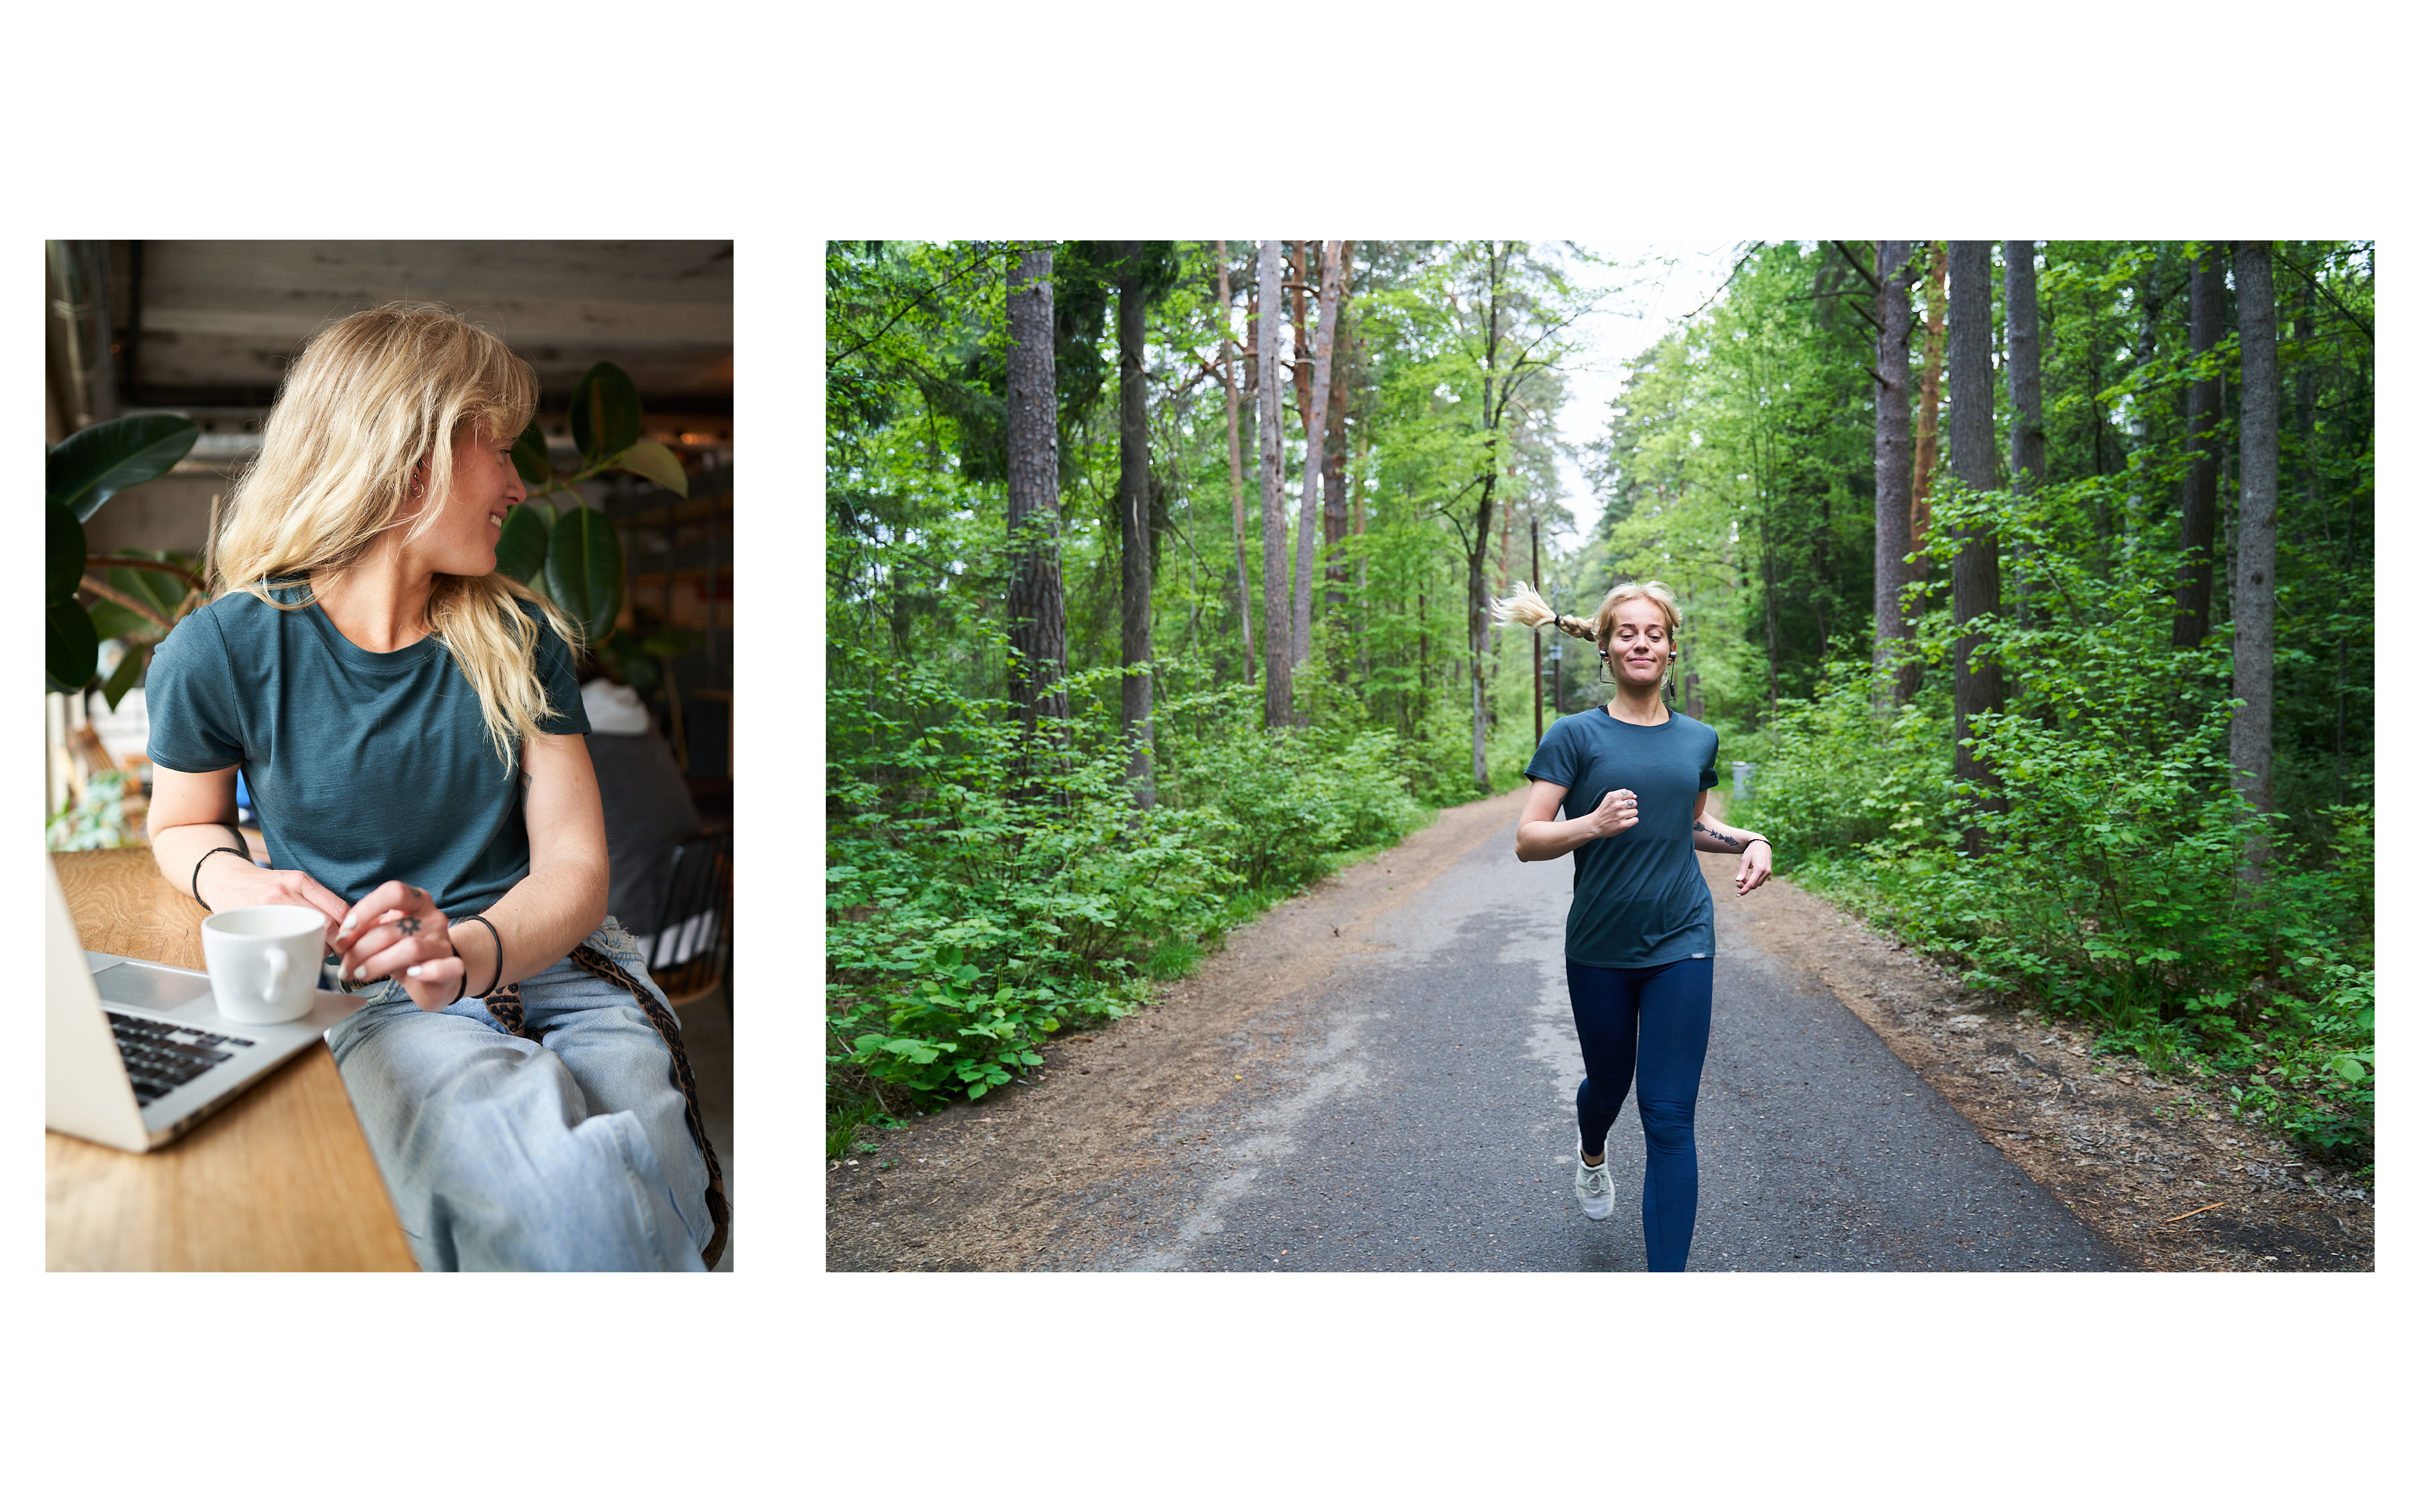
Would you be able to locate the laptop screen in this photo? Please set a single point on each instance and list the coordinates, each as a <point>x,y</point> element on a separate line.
<point>131,985</point>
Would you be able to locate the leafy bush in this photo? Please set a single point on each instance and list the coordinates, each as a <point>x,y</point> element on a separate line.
<point>2112,886</point>
<point>985,886</point>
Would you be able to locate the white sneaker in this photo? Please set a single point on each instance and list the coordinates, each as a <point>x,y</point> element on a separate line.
<point>1593,1184</point>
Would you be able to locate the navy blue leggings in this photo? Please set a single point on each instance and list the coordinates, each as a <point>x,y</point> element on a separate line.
<point>1653,1021</point>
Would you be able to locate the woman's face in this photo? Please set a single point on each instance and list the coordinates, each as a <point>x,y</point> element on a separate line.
<point>1641,645</point>
<point>461,542</point>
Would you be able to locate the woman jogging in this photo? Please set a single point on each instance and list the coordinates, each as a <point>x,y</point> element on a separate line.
<point>1638,943</point>
<point>407,721</point>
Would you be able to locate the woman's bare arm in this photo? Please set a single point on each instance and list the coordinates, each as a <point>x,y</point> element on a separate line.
<point>192,814</point>
<point>563,899</point>
<point>1542,837</point>
<point>1714,835</point>
<point>538,921</point>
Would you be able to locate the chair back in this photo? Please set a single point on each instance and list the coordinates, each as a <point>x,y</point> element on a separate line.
<point>686,956</point>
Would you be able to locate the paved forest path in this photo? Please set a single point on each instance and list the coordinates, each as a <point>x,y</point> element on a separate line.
<point>1379,1076</point>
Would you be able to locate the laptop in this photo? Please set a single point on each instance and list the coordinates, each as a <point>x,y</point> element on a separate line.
<point>136,1053</point>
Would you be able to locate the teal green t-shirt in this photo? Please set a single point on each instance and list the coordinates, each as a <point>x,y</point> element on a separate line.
<point>365,766</point>
<point>1637,897</point>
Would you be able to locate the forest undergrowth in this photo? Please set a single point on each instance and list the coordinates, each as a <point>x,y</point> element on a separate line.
<point>989,885</point>
<point>2115,884</point>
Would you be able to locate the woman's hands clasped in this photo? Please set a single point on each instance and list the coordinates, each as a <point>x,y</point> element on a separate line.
<point>398,931</point>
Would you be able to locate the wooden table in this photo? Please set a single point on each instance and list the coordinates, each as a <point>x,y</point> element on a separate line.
<point>279,1180</point>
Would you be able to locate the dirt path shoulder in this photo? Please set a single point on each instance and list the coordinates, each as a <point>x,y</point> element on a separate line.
<point>1017,1179</point>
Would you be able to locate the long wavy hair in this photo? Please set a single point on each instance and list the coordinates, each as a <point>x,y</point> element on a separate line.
<point>374,398</point>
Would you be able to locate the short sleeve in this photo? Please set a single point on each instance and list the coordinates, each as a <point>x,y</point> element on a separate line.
<point>1706,778</point>
<point>1556,760</point>
<point>562,684</point>
<point>189,695</point>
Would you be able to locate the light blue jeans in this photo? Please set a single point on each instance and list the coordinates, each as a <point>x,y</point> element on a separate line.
<point>502,1154</point>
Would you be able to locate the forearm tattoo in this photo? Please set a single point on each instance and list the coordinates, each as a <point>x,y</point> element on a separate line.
<point>1728,843</point>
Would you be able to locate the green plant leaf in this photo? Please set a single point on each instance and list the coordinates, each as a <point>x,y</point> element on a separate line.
<point>116,622</point>
<point>161,590</point>
<point>130,667</point>
<point>530,458</point>
<point>85,470</point>
<point>655,462</point>
<point>604,413</point>
<point>70,649</point>
<point>521,551</point>
<point>583,570</point>
<point>63,553</point>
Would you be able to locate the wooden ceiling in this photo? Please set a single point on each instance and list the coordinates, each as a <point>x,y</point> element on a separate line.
<point>214,323</point>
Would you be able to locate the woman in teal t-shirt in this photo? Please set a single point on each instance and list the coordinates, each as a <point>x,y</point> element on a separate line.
<point>1638,944</point>
<point>407,720</point>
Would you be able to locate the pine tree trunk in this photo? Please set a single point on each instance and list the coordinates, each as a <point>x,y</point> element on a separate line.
<point>1316,451</point>
<point>1276,625</point>
<point>1133,530</point>
<point>2028,443</point>
<point>1928,412</point>
<point>2199,531</point>
<point>1975,572</point>
<point>1037,613</point>
<point>2256,539</point>
<point>1893,479</point>
<point>1234,461</point>
<point>1333,526</point>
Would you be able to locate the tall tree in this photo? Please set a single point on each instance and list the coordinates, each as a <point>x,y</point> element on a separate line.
<point>2255,530</point>
<point>1144,271</point>
<point>1893,479</point>
<point>1975,572</point>
<point>1037,611</point>
<point>2205,316</point>
<point>1235,456</point>
<point>2028,443</point>
<point>1333,523</point>
<point>1928,411</point>
<point>1277,624</point>
<point>1315,444</point>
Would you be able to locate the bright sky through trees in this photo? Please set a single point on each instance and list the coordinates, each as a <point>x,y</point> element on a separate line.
<point>1642,289</point>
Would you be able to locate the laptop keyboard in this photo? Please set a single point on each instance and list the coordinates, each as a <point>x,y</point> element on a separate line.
<point>161,1058</point>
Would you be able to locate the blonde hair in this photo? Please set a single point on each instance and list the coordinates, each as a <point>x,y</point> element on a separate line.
<point>1525,608</point>
<point>374,397</point>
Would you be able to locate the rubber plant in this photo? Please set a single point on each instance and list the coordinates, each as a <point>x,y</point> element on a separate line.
<point>573,554</point>
<point>138,595</point>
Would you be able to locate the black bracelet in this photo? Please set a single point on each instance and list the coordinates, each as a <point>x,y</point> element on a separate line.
<point>482,919</point>
<point>195,885</point>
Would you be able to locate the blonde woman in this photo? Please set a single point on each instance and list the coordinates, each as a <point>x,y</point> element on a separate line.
<point>1630,782</point>
<point>408,723</point>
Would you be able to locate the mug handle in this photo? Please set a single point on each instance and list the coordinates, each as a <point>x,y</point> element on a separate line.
<point>276,956</point>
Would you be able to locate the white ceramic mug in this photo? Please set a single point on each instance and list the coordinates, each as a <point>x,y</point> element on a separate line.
<point>264,961</point>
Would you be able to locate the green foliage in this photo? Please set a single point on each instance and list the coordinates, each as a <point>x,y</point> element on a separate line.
<point>2110,888</point>
<point>96,818</point>
<point>583,570</point>
<point>987,885</point>
<point>79,474</point>
<point>85,470</point>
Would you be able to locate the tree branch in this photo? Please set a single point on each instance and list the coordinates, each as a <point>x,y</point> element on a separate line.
<point>94,585</point>
<point>192,579</point>
<point>2367,335</point>
<point>1871,281</point>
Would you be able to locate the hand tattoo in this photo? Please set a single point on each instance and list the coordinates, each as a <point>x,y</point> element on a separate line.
<point>406,925</point>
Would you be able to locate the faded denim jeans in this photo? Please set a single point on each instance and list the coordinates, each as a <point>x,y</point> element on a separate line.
<point>502,1154</point>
